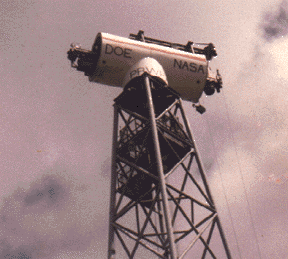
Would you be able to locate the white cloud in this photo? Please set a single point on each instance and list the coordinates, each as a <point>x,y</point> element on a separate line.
<point>279,53</point>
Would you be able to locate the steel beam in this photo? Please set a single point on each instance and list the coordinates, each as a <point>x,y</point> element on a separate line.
<point>152,144</point>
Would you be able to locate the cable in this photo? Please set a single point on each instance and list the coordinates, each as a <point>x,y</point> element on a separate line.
<point>242,178</point>
<point>225,195</point>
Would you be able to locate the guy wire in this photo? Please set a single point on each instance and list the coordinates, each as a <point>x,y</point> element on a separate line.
<point>241,174</point>
<point>224,191</point>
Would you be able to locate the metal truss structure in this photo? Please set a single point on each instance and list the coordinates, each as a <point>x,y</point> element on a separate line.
<point>161,205</point>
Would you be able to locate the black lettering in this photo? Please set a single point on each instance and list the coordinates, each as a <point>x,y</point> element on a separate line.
<point>176,63</point>
<point>151,71</point>
<point>201,68</point>
<point>133,73</point>
<point>127,52</point>
<point>118,51</point>
<point>185,65</point>
<point>140,69</point>
<point>193,67</point>
<point>109,49</point>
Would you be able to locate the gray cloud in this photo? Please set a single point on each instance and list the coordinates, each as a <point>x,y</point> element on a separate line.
<point>275,23</point>
<point>22,252</point>
<point>48,217</point>
<point>253,145</point>
<point>49,190</point>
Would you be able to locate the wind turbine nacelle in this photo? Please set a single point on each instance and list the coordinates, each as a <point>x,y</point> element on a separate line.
<point>112,57</point>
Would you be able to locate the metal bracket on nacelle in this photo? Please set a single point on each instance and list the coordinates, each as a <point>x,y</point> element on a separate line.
<point>81,59</point>
<point>209,50</point>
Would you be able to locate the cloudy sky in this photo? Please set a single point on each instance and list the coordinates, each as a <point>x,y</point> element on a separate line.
<point>56,127</point>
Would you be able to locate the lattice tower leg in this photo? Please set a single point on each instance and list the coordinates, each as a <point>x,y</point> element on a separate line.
<point>160,198</point>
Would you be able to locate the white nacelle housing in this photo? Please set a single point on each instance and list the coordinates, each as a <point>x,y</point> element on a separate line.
<point>186,72</point>
<point>112,57</point>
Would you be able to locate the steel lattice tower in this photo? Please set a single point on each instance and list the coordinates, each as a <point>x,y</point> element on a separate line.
<point>161,205</point>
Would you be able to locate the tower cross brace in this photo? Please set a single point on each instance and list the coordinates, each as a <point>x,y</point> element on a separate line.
<point>160,203</point>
